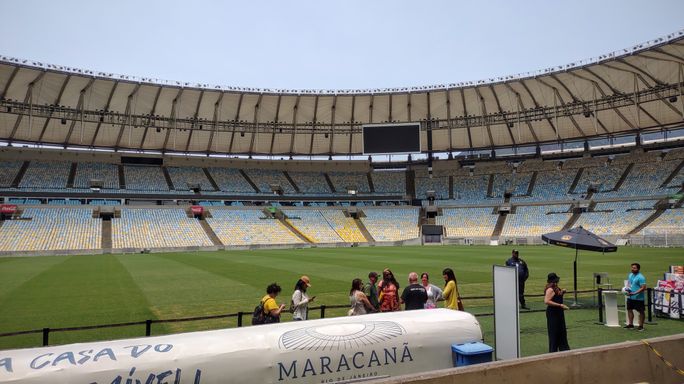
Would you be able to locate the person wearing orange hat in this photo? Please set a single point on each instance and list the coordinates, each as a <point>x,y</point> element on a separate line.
<point>300,300</point>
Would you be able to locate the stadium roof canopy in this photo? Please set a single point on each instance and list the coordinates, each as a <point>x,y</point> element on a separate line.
<point>630,91</point>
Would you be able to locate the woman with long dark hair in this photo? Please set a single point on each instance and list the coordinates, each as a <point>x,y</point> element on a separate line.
<point>555,316</point>
<point>300,300</point>
<point>388,289</point>
<point>452,299</point>
<point>359,302</point>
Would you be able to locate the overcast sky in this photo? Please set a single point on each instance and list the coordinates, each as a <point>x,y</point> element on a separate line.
<point>319,44</point>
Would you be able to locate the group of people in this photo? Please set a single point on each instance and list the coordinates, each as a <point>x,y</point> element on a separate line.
<point>383,296</point>
<point>375,296</point>
<point>553,299</point>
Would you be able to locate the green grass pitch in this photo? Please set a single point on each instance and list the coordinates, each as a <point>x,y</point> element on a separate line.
<point>65,291</point>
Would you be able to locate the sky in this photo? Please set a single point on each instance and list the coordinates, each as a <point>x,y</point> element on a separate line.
<point>319,44</point>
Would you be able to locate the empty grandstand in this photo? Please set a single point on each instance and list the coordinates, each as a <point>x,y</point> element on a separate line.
<point>107,173</point>
<point>231,181</point>
<point>313,225</point>
<point>616,218</point>
<point>42,175</point>
<point>533,221</point>
<point>145,178</point>
<point>392,224</point>
<point>49,229</point>
<point>499,150</point>
<point>8,172</point>
<point>183,178</point>
<point>249,227</point>
<point>467,222</point>
<point>157,228</point>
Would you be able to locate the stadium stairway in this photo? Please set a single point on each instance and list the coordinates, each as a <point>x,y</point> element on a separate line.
<point>672,175</point>
<point>646,222</point>
<point>490,185</point>
<point>370,182</point>
<point>122,177</point>
<point>210,232</point>
<point>256,189</point>
<point>211,179</point>
<point>168,179</point>
<point>623,177</point>
<point>72,175</point>
<point>500,221</point>
<point>422,217</point>
<point>578,176</point>
<point>281,217</point>
<point>330,184</point>
<point>106,234</point>
<point>533,181</point>
<point>292,182</point>
<point>362,227</point>
<point>411,183</point>
<point>573,219</point>
<point>20,174</point>
<point>451,186</point>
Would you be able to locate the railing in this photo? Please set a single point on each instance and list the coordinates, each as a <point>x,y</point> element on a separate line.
<point>239,315</point>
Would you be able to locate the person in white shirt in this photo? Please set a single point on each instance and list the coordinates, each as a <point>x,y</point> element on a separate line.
<point>300,300</point>
<point>434,293</point>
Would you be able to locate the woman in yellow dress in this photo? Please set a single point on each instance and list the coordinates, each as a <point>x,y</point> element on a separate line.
<point>452,299</point>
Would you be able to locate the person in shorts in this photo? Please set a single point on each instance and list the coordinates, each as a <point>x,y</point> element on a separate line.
<point>636,285</point>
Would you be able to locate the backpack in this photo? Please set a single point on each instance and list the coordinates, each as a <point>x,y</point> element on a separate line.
<point>258,316</point>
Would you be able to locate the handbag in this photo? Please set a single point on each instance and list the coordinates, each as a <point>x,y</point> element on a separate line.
<point>460,304</point>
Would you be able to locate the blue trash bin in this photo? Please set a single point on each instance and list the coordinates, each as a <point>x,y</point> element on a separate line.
<point>471,353</point>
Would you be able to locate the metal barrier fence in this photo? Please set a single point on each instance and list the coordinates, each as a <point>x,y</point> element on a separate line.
<point>239,315</point>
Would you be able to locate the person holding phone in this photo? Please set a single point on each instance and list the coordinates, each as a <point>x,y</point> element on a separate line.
<point>300,300</point>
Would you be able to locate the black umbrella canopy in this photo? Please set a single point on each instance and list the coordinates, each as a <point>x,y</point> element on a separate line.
<point>579,238</point>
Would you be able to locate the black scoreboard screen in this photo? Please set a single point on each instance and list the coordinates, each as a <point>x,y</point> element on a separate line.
<point>391,138</point>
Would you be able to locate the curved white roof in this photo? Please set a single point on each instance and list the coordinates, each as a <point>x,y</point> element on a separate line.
<point>629,91</point>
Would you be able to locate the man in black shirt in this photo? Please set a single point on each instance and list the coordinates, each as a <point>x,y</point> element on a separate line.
<point>414,295</point>
<point>523,273</point>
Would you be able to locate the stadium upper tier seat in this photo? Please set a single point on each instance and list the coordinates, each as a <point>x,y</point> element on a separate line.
<point>46,175</point>
<point>231,181</point>
<point>265,178</point>
<point>87,171</point>
<point>145,178</point>
<point>343,181</point>
<point>391,183</point>
<point>311,182</point>
<point>182,177</point>
<point>8,172</point>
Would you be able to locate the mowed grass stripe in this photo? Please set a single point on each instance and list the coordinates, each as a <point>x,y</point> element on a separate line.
<point>81,290</point>
<point>256,271</point>
<point>175,289</point>
<point>16,271</point>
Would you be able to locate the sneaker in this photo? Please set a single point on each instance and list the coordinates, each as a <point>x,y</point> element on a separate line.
<point>525,307</point>
<point>640,329</point>
<point>628,326</point>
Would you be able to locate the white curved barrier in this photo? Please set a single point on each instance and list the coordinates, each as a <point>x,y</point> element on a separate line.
<point>315,351</point>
